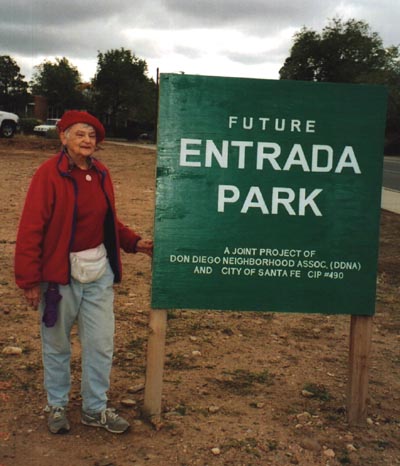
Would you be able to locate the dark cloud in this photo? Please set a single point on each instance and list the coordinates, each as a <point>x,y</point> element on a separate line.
<point>257,16</point>
<point>42,13</point>
<point>190,52</point>
<point>276,56</point>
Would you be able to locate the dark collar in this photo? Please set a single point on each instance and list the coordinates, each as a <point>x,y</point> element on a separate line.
<point>72,164</point>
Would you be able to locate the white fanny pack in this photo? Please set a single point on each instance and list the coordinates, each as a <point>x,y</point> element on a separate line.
<point>89,265</point>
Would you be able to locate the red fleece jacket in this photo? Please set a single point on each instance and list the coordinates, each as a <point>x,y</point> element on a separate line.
<point>47,226</point>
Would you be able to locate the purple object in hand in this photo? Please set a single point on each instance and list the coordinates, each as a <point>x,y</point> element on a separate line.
<point>52,298</point>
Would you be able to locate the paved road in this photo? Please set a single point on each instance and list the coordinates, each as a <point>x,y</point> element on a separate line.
<point>391,173</point>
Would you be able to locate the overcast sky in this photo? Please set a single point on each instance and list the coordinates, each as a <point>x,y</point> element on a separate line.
<point>245,38</point>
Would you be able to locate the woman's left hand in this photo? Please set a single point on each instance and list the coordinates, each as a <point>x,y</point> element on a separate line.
<point>32,295</point>
<point>145,246</point>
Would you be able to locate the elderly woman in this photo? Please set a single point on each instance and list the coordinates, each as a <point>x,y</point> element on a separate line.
<point>67,259</point>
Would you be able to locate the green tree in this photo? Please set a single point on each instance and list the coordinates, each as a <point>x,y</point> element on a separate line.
<point>346,52</point>
<point>13,89</point>
<point>122,91</point>
<point>60,83</point>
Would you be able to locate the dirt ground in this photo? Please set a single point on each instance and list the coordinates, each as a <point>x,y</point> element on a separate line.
<point>239,388</point>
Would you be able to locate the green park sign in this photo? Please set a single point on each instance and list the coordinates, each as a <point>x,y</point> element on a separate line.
<point>268,195</point>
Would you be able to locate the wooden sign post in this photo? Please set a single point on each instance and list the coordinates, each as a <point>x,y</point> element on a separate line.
<point>359,356</point>
<point>155,365</point>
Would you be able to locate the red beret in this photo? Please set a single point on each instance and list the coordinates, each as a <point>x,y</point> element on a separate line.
<point>71,117</point>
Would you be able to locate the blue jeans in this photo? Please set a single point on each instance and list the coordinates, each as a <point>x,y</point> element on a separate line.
<point>91,305</point>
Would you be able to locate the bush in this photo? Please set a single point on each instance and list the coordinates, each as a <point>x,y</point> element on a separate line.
<point>27,124</point>
<point>52,134</point>
<point>392,146</point>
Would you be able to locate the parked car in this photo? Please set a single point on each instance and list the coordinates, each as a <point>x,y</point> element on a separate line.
<point>46,126</point>
<point>9,123</point>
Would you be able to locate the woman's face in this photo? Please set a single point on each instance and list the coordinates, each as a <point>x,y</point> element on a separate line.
<point>80,140</point>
